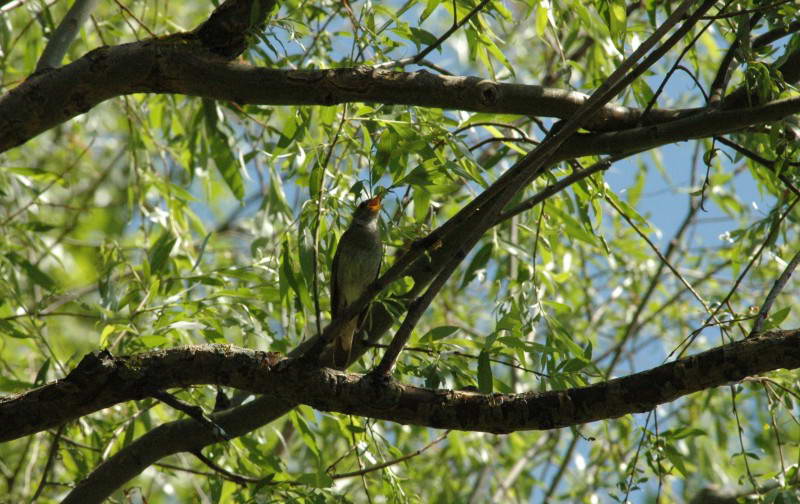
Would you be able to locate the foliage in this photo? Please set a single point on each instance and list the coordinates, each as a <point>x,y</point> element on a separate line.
<point>158,220</point>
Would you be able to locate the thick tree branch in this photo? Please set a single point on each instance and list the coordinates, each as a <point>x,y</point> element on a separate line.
<point>163,66</point>
<point>168,439</point>
<point>697,126</point>
<point>101,380</point>
<point>180,65</point>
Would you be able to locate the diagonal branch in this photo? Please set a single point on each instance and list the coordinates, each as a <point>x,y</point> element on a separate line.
<point>65,33</point>
<point>419,57</point>
<point>477,216</point>
<point>776,289</point>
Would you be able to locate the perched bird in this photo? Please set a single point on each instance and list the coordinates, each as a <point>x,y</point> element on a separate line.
<point>356,264</point>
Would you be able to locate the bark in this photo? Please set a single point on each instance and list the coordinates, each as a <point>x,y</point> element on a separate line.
<point>102,380</point>
<point>180,64</point>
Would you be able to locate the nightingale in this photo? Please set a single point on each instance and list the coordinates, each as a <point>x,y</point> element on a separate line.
<point>356,264</point>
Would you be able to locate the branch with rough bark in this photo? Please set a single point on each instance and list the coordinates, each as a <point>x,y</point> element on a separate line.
<point>194,64</point>
<point>51,98</point>
<point>102,380</point>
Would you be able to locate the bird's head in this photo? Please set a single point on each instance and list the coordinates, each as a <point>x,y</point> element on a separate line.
<point>368,211</point>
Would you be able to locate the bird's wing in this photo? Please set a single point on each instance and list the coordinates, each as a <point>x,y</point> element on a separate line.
<point>335,280</point>
<point>363,314</point>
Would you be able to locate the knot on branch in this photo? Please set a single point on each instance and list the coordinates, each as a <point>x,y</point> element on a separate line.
<point>92,367</point>
<point>489,92</point>
<point>227,30</point>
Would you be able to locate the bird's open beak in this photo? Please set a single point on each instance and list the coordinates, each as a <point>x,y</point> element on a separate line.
<point>374,204</point>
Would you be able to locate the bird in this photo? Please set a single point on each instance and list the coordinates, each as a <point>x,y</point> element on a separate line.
<point>356,264</point>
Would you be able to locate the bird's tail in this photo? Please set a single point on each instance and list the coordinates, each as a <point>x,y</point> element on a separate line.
<point>343,344</point>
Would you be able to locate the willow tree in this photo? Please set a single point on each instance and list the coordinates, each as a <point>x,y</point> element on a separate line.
<point>175,179</point>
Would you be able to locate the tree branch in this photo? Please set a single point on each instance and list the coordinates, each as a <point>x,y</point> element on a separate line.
<point>101,380</point>
<point>776,289</point>
<point>178,64</point>
<point>65,33</point>
<point>190,436</point>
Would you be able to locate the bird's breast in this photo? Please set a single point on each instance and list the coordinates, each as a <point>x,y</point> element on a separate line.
<point>359,263</point>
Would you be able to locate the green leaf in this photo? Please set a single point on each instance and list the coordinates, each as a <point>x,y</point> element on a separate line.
<point>305,432</point>
<point>677,459</point>
<point>438,333</point>
<point>478,262</point>
<point>574,365</point>
<point>316,480</point>
<point>41,375</point>
<point>11,385</point>
<point>423,37</point>
<point>432,377</point>
<point>315,180</point>
<point>153,340</point>
<point>107,331</point>
<point>33,272</point>
<point>37,227</point>
<point>8,329</point>
<point>159,253</point>
<point>36,174</point>
<point>228,166</point>
<point>220,145</point>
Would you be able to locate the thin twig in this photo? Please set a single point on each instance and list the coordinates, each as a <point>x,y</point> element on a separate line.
<point>632,327</point>
<point>51,456</point>
<point>741,441</point>
<point>491,123</point>
<point>760,8</point>
<point>319,31</point>
<point>528,168</point>
<point>661,257</point>
<point>502,139</point>
<point>415,311</point>
<point>237,478</point>
<point>659,455</point>
<point>391,462</point>
<point>193,411</point>
<point>495,198</point>
<point>636,457</point>
<point>360,463</point>
<point>52,314</point>
<point>133,16</point>
<point>774,401</point>
<point>512,364</point>
<point>456,25</point>
<point>566,459</point>
<point>686,343</point>
<point>37,194</point>
<point>501,494</point>
<point>675,66</point>
<point>771,36</point>
<point>760,379</point>
<point>315,248</point>
<point>547,192</point>
<point>720,82</point>
<point>777,287</point>
<point>770,165</point>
